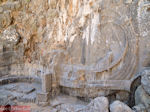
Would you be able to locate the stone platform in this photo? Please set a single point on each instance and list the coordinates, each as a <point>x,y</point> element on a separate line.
<point>21,89</point>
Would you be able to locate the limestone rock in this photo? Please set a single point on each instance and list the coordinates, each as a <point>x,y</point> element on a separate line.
<point>139,108</point>
<point>5,20</point>
<point>96,37</point>
<point>145,81</point>
<point>46,82</point>
<point>128,1</point>
<point>11,5</point>
<point>1,9</point>
<point>122,96</point>
<point>118,106</point>
<point>10,35</point>
<point>25,89</point>
<point>69,108</point>
<point>141,97</point>
<point>42,97</point>
<point>99,104</point>
<point>143,18</point>
<point>99,42</point>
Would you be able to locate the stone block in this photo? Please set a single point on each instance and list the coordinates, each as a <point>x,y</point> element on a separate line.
<point>42,97</point>
<point>46,82</point>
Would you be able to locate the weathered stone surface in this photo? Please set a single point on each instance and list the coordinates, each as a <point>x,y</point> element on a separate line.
<point>5,20</point>
<point>145,81</point>
<point>143,17</point>
<point>46,82</point>
<point>43,104</point>
<point>1,9</point>
<point>118,106</point>
<point>43,97</point>
<point>69,108</point>
<point>111,55</point>
<point>104,26</point>
<point>139,108</point>
<point>22,92</point>
<point>10,36</point>
<point>25,89</point>
<point>11,5</point>
<point>28,98</point>
<point>141,97</point>
<point>99,104</point>
<point>122,96</point>
<point>90,47</point>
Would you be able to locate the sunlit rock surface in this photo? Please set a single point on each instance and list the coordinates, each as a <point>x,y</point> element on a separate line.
<point>88,44</point>
<point>91,48</point>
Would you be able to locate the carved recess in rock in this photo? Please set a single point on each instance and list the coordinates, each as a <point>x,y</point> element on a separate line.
<point>102,48</point>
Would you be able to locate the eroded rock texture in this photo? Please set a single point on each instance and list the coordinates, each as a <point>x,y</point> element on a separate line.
<point>118,106</point>
<point>90,47</point>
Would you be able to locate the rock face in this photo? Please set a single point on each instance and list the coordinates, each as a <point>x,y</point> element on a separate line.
<point>90,47</point>
<point>99,104</point>
<point>145,81</point>
<point>10,36</point>
<point>139,108</point>
<point>141,97</point>
<point>102,28</point>
<point>118,106</point>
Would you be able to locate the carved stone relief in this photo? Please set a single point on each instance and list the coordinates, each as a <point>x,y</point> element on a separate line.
<point>103,51</point>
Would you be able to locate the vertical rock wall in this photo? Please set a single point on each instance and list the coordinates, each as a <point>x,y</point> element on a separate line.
<point>81,42</point>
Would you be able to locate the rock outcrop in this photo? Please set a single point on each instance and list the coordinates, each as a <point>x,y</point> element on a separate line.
<point>87,48</point>
<point>145,81</point>
<point>99,104</point>
<point>139,108</point>
<point>118,106</point>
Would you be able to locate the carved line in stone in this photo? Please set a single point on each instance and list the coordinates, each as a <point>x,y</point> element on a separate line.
<point>120,58</point>
<point>131,65</point>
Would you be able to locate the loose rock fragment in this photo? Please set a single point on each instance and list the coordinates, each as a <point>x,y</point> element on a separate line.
<point>118,106</point>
